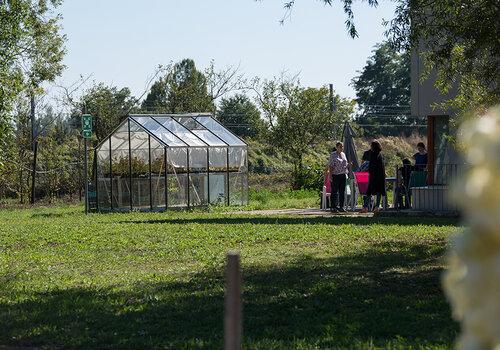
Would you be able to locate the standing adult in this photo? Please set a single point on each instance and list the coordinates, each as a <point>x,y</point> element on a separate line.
<point>420,157</point>
<point>376,170</point>
<point>339,168</point>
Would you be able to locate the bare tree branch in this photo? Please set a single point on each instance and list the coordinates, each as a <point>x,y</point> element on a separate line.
<point>221,82</point>
<point>157,72</point>
<point>69,91</point>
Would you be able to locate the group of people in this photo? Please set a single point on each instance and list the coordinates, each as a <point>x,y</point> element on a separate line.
<point>372,162</point>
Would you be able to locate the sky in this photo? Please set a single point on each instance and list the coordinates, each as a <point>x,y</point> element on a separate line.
<point>122,42</point>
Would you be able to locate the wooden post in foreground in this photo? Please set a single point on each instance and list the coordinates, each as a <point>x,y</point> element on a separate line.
<point>232,313</point>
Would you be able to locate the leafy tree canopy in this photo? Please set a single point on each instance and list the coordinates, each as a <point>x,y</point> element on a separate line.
<point>300,117</point>
<point>241,116</point>
<point>182,89</point>
<point>383,91</point>
<point>31,52</point>
<point>456,38</point>
<point>459,40</point>
<point>31,47</point>
<point>108,105</point>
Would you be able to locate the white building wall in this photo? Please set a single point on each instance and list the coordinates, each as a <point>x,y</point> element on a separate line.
<point>424,94</point>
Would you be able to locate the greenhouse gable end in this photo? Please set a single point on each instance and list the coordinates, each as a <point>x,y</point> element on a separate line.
<point>166,161</point>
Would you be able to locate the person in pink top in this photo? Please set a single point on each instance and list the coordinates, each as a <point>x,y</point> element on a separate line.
<point>339,168</point>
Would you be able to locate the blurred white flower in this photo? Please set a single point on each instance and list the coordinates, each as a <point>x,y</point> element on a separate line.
<point>472,282</point>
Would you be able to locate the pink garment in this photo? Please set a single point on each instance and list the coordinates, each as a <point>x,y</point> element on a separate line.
<point>326,182</point>
<point>362,181</point>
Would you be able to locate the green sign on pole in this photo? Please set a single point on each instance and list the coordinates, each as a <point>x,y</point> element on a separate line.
<point>87,134</point>
<point>87,126</point>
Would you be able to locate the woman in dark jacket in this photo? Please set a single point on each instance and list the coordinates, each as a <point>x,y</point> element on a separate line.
<point>376,169</point>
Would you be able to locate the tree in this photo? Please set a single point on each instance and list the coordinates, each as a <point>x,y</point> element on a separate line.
<point>182,89</point>
<point>347,7</point>
<point>57,166</point>
<point>240,115</point>
<point>31,52</point>
<point>14,179</point>
<point>457,39</point>
<point>108,105</point>
<point>31,47</point>
<point>299,117</point>
<point>383,92</point>
<point>222,81</point>
<point>56,171</point>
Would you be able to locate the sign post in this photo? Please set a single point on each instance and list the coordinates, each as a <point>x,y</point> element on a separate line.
<point>87,134</point>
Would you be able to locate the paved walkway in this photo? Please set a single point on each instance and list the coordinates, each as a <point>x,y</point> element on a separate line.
<point>302,212</point>
<point>324,213</point>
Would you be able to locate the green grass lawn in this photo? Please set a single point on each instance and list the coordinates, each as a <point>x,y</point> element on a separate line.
<point>156,280</point>
<point>265,199</point>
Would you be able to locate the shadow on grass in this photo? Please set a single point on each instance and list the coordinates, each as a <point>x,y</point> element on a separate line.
<point>389,295</point>
<point>268,220</point>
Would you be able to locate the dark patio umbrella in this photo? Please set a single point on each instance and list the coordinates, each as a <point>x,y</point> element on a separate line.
<point>349,146</point>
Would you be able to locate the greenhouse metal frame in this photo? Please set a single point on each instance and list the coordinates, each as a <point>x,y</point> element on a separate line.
<point>155,162</point>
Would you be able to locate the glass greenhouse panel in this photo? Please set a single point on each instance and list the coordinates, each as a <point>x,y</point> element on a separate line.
<point>180,131</point>
<point>209,137</point>
<point>177,179</point>
<point>140,177</point>
<point>189,123</point>
<point>104,146</point>
<point>200,131</point>
<point>158,175</point>
<point>120,185</point>
<point>238,189</point>
<point>198,160</point>
<point>138,137</point>
<point>198,190</point>
<point>237,159</point>
<point>217,159</point>
<point>220,131</point>
<point>139,144</point>
<point>177,160</point>
<point>218,188</point>
<point>119,139</point>
<point>177,185</point>
<point>159,131</point>
<point>103,179</point>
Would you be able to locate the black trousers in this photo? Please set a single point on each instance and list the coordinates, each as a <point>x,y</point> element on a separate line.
<point>338,190</point>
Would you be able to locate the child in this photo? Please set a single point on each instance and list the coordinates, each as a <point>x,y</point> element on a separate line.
<point>403,186</point>
<point>365,161</point>
<point>420,157</point>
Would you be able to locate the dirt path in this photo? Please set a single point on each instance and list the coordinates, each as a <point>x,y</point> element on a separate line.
<point>302,212</point>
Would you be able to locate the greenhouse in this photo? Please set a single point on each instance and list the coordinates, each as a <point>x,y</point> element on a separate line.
<point>167,161</point>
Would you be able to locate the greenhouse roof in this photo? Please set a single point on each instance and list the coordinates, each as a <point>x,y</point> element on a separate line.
<point>185,130</point>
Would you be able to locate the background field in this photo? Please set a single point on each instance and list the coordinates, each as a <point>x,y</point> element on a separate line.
<point>155,280</point>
